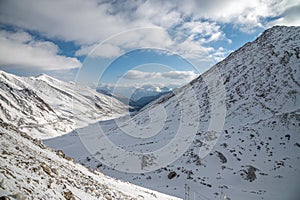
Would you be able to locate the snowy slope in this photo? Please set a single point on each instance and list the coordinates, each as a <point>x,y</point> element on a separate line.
<point>45,107</point>
<point>29,170</point>
<point>256,155</point>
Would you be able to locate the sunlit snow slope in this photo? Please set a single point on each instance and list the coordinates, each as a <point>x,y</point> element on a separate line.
<point>45,107</point>
<point>30,170</point>
<point>257,153</point>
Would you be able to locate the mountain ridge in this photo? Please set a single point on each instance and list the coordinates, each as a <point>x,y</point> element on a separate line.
<point>258,143</point>
<point>59,106</point>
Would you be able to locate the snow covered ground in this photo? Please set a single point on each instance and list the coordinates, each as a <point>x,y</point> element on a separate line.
<point>255,155</point>
<point>45,107</point>
<point>30,170</point>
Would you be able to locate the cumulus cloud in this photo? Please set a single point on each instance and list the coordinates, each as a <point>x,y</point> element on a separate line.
<point>104,51</point>
<point>136,74</point>
<point>154,37</point>
<point>141,89</point>
<point>245,15</point>
<point>290,17</point>
<point>189,75</point>
<point>188,27</point>
<point>157,38</point>
<point>89,22</point>
<point>209,31</point>
<point>19,49</point>
<point>82,21</point>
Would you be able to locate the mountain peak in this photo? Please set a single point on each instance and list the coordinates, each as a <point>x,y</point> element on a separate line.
<point>44,76</point>
<point>278,33</point>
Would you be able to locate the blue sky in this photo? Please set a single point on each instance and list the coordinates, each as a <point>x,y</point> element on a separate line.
<point>132,42</point>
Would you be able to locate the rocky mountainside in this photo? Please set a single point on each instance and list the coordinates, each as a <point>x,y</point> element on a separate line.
<point>30,170</point>
<point>45,107</point>
<point>239,133</point>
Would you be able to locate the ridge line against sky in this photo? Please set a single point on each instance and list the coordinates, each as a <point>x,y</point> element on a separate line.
<point>54,38</point>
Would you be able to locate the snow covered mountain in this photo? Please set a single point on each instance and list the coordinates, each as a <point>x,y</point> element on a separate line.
<point>136,92</point>
<point>133,105</point>
<point>45,107</point>
<point>150,91</point>
<point>30,170</point>
<point>255,155</point>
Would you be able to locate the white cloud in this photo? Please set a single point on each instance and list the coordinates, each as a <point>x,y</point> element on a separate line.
<point>142,89</point>
<point>189,75</point>
<point>190,49</point>
<point>290,17</point>
<point>160,13</point>
<point>82,21</point>
<point>194,23</point>
<point>209,31</point>
<point>157,38</point>
<point>110,86</point>
<point>139,38</point>
<point>105,51</point>
<point>244,14</point>
<point>220,54</point>
<point>89,22</point>
<point>136,74</point>
<point>19,49</point>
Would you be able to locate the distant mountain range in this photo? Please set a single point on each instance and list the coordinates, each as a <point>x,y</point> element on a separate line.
<point>143,101</point>
<point>139,103</point>
<point>139,96</point>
